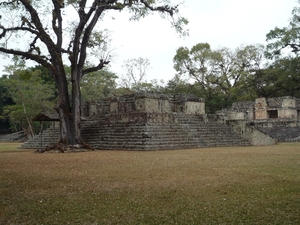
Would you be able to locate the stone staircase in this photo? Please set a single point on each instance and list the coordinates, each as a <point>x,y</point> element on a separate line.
<point>283,134</point>
<point>210,133</point>
<point>44,139</point>
<point>182,131</point>
<point>13,137</point>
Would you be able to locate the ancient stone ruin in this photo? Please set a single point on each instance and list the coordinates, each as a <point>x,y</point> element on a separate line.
<point>147,121</point>
<point>264,108</point>
<point>146,102</point>
<point>153,121</point>
<point>278,117</point>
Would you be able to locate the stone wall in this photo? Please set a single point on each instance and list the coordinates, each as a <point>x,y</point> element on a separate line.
<point>150,131</point>
<point>283,130</point>
<point>146,102</point>
<point>281,107</point>
<point>14,137</point>
<point>251,133</point>
<point>260,108</point>
<point>264,108</point>
<point>279,118</point>
<point>152,121</point>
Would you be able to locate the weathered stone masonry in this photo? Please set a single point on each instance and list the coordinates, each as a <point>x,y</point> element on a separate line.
<point>151,121</point>
<point>279,118</point>
<point>145,102</point>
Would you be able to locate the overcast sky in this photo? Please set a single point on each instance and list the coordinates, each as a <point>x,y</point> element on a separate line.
<point>221,23</point>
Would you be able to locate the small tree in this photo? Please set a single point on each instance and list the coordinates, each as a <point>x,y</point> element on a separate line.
<point>41,28</point>
<point>135,74</point>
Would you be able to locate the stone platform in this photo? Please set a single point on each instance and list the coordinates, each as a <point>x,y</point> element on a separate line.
<point>149,131</point>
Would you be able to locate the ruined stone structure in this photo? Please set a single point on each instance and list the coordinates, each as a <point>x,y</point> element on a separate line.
<point>277,117</point>
<point>149,121</point>
<point>145,102</point>
<point>152,121</point>
<point>264,109</point>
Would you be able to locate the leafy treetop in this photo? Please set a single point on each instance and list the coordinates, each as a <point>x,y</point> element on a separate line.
<point>286,37</point>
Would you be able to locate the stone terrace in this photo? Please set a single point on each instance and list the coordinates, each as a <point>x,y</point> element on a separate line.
<point>149,131</point>
<point>148,121</point>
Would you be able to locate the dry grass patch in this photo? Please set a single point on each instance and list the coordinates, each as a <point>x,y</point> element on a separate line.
<point>246,185</point>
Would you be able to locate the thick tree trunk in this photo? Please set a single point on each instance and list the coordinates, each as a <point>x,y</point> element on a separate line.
<point>64,110</point>
<point>66,131</point>
<point>76,107</point>
<point>69,114</point>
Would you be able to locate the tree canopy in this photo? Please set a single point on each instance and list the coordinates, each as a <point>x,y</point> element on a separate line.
<point>286,37</point>
<point>222,73</point>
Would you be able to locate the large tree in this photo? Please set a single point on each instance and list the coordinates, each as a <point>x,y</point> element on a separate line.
<point>286,37</point>
<point>41,28</point>
<point>280,78</point>
<point>221,74</point>
<point>284,46</point>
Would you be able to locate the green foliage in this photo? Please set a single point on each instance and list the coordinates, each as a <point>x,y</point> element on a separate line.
<point>287,37</point>
<point>165,8</point>
<point>30,94</point>
<point>98,85</point>
<point>220,74</point>
<point>285,74</point>
<point>279,78</point>
<point>289,79</point>
<point>5,99</point>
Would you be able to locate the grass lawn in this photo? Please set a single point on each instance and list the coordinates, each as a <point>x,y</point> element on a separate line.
<point>238,185</point>
<point>10,146</point>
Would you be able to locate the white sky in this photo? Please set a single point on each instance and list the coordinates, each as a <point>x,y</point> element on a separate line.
<point>221,23</point>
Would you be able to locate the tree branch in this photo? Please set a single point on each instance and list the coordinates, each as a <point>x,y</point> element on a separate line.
<point>28,55</point>
<point>33,47</point>
<point>102,64</point>
<point>86,36</point>
<point>43,36</point>
<point>56,17</point>
<point>67,51</point>
<point>165,8</point>
<point>84,17</point>
<point>8,3</point>
<point>4,30</point>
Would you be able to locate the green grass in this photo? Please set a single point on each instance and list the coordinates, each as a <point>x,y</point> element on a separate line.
<point>241,185</point>
<point>10,146</point>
